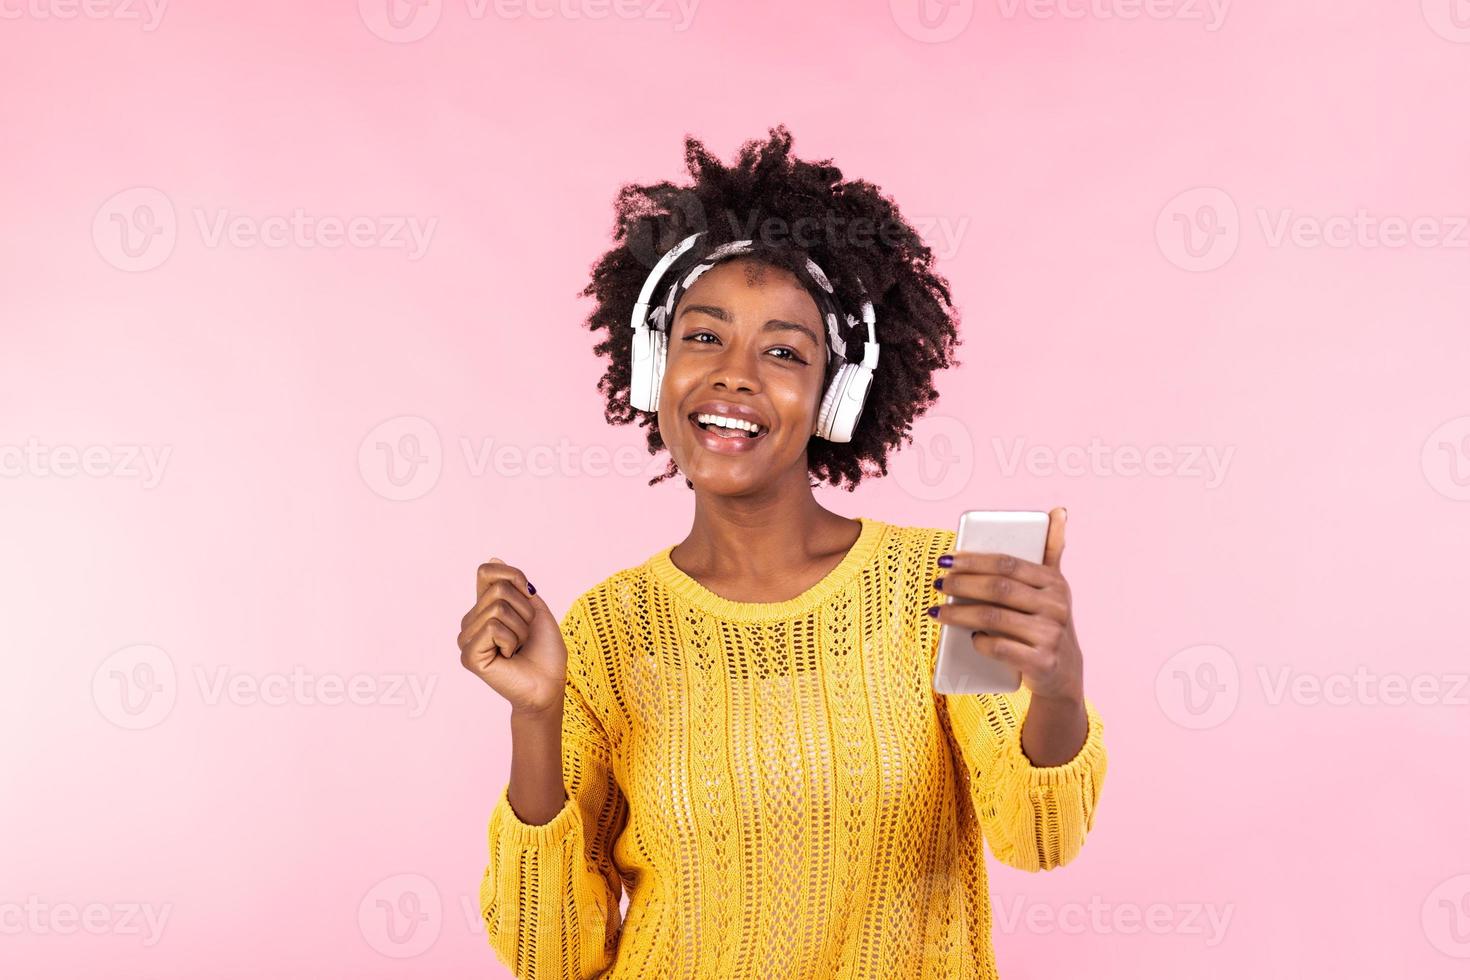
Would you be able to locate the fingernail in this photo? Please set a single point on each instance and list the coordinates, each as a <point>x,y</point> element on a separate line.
<point>1064,513</point>
<point>530,588</point>
<point>934,611</point>
<point>946,561</point>
<point>939,582</point>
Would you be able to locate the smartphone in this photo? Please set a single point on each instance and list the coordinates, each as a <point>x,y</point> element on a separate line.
<point>960,668</point>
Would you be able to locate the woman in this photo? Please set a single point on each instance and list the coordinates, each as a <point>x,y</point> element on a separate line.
<point>742,730</point>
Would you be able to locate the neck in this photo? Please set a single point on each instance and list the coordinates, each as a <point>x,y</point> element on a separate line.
<point>772,537</point>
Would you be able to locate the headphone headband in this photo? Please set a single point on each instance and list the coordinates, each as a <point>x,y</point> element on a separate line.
<point>661,316</point>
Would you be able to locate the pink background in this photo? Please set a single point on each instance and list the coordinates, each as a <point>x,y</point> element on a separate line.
<point>330,417</point>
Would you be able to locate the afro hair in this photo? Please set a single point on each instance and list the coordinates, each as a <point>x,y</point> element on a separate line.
<point>791,209</point>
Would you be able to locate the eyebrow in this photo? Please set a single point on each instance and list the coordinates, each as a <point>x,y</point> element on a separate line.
<point>722,315</point>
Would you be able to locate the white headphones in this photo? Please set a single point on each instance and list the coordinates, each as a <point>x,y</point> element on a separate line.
<point>841,404</point>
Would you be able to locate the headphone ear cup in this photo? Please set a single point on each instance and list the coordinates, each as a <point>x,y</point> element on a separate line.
<point>829,398</point>
<point>650,353</point>
<point>843,403</point>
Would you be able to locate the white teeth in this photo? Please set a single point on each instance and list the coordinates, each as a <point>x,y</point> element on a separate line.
<point>725,421</point>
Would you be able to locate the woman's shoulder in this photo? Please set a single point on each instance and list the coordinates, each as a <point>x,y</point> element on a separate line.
<point>920,540</point>
<point>613,598</point>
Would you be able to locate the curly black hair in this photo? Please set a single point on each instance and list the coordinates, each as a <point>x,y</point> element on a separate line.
<point>790,208</point>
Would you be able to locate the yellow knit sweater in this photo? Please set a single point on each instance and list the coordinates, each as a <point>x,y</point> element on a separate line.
<point>777,786</point>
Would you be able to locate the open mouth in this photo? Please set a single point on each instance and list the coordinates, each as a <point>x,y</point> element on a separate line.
<point>728,428</point>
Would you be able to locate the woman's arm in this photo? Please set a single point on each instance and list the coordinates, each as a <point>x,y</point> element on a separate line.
<point>1033,759</point>
<point>536,791</point>
<point>551,888</point>
<point>1035,817</point>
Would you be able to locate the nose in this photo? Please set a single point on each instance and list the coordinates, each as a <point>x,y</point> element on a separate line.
<point>736,369</point>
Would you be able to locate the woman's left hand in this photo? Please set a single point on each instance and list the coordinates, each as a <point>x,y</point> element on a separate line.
<point>1028,609</point>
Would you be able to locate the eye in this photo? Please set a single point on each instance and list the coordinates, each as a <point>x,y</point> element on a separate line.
<point>793,355</point>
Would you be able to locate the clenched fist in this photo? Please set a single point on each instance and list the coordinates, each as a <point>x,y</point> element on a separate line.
<point>511,641</point>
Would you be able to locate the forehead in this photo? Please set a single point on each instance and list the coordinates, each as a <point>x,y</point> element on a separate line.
<point>750,281</point>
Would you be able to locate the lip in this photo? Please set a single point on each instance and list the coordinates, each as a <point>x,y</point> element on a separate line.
<point>720,444</point>
<point>732,409</point>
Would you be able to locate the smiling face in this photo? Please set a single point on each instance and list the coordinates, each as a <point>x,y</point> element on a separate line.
<point>747,345</point>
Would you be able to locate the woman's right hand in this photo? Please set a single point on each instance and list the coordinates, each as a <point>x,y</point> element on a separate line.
<point>511,640</point>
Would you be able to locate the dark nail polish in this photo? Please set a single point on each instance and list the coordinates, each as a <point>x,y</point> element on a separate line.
<point>945,561</point>
<point>530,588</point>
<point>934,611</point>
<point>939,583</point>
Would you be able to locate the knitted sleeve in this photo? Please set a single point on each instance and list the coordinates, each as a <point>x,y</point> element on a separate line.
<point>1035,817</point>
<point>550,895</point>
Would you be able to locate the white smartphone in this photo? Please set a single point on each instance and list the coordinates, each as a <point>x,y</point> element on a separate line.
<point>959,667</point>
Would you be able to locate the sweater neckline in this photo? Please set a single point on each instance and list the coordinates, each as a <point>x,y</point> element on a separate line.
<point>687,587</point>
